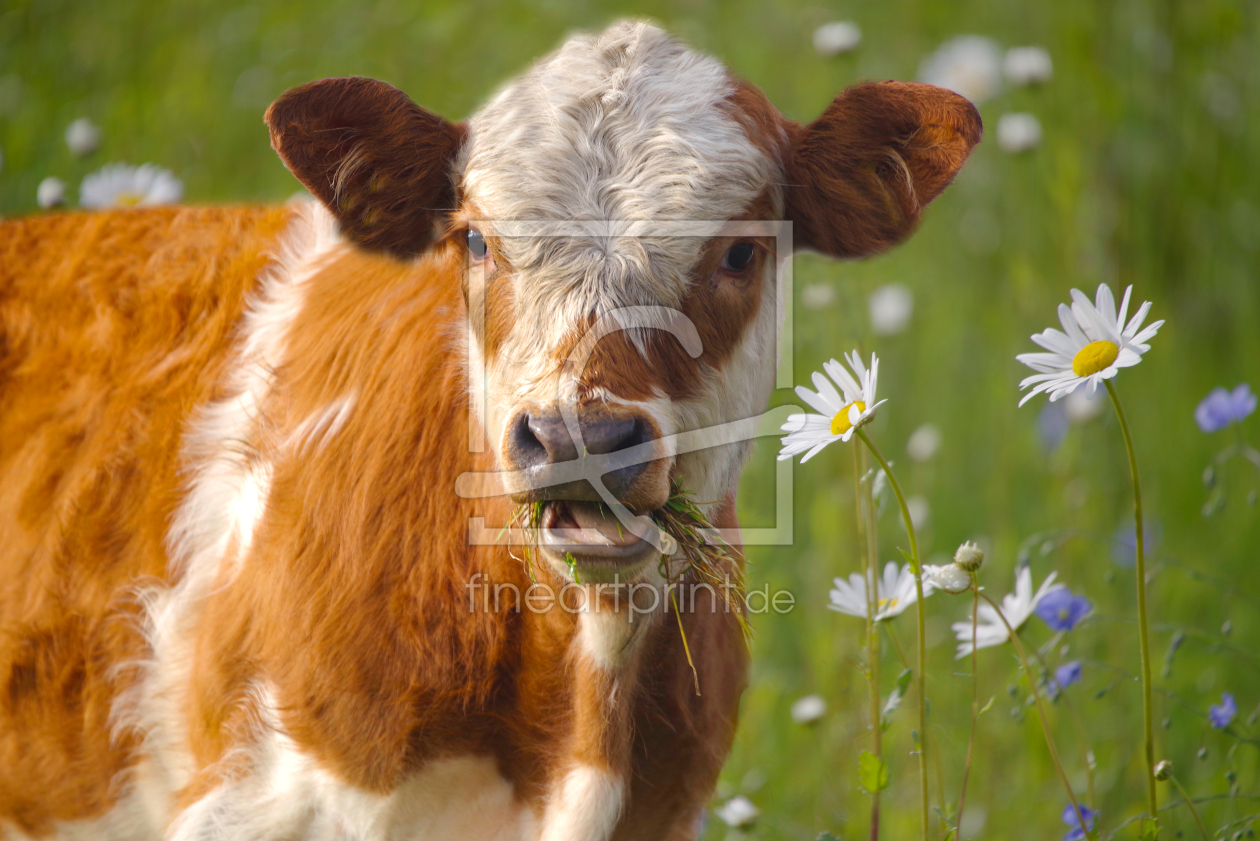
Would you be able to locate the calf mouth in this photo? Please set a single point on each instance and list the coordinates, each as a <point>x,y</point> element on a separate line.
<point>587,541</point>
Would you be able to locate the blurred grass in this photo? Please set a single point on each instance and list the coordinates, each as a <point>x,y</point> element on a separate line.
<point>1147,175</point>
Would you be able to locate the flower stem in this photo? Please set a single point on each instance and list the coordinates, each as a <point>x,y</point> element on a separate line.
<point>1045,721</point>
<point>920,675</point>
<point>867,539</point>
<point>1190,805</point>
<point>1144,646</point>
<point>975,704</point>
<point>1080,728</point>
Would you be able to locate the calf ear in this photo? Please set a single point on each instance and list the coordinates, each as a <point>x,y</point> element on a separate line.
<point>378,161</point>
<point>860,174</point>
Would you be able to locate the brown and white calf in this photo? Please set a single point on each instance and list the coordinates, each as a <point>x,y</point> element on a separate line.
<point>234,568</point>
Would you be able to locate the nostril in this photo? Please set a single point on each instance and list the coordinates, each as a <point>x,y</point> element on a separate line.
<point>528,445</point>
<point>539,439</point>
<point>609,436</point>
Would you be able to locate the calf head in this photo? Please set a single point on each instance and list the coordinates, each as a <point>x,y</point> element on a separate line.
<point>616,295</point>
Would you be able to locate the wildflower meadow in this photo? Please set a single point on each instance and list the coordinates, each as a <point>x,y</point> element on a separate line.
<point>1025,451</point>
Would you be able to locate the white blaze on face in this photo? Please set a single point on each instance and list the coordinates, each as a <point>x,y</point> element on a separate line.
<point>627,126</point>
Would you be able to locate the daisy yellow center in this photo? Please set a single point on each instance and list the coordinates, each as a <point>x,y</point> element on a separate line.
<point>127,198</point>
<point>840,423</point>
<point>886,603</point>
<point>1094,357</point>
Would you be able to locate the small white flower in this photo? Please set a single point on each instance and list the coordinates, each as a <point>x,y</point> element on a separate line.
<point>950,578</point>
<point>894,592</point>
<point>840,414</point>
<point>970,65</point>
<point>83,137</point>
<point>51,192</point>
<point>121,185</point>
<point>817,296</point>
<point>838,37</point>
<point>737,812</point>
<point>924,442</point>
<point>1018,132</point>
<point>1096,344</point>
<point>1027,65</point>
<point>1016,607</point>
<point>891,306</point>
<point>808,709</point>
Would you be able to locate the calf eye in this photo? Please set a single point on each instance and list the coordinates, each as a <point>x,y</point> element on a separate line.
<point>738,257</point>
<point>477,245</point>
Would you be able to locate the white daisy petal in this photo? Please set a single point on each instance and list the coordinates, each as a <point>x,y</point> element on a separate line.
<point>1073,330</point>
<point>1138,318</point>
<point>1051,361</point>
<point>818,449</point>
<point>1055,342</point>
<point>828,391</point>
<point>817,402</point>
<point>1105,303</point>
<point>1124,305</point>
<point>1139,341</point>
<point>855,362</point>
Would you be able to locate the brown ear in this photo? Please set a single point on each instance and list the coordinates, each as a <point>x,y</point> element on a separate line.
<point>378,161</point>
<point>859,175</point>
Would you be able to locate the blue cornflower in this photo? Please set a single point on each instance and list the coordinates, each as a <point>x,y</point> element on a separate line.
<point>1223,713</point>
<point>1061,610</point>
<point>1221,408</point>
<point>1077,832</point>
<point>1068,674</point>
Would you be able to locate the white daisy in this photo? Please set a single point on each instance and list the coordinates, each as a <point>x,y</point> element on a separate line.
<point>1018,132</point>
<point>894,592</point>
<point>891,306</point>
<point>970,65</point>
<point>948,578</point>
<point>122,185</point>
<point>83,137</point>
<point>1016,607</point>
<point>1028,65</point>
<point>50,192</point>
<point>738,812</point>
<point>840,412</point>
<point>1096,344</point>
<point>924,442</point>
<point>838,37</point>
<point>808,709</point>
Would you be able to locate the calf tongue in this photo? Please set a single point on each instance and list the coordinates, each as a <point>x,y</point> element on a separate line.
<point>592,517</point>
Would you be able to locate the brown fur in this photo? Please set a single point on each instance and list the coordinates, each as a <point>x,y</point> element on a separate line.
<point>353,604</point>
<point>380,162</point>
<point>859,176</point>
<point>112,328</point>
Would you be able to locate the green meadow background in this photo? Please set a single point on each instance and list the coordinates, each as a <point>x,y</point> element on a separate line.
<point>1147,174</point>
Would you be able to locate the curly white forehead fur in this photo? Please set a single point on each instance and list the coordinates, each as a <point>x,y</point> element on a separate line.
<point>626,125</point>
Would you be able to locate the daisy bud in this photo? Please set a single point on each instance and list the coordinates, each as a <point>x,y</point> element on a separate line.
<point>950,578</point>
<point>1163,770</point>
<point>969,556</point>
